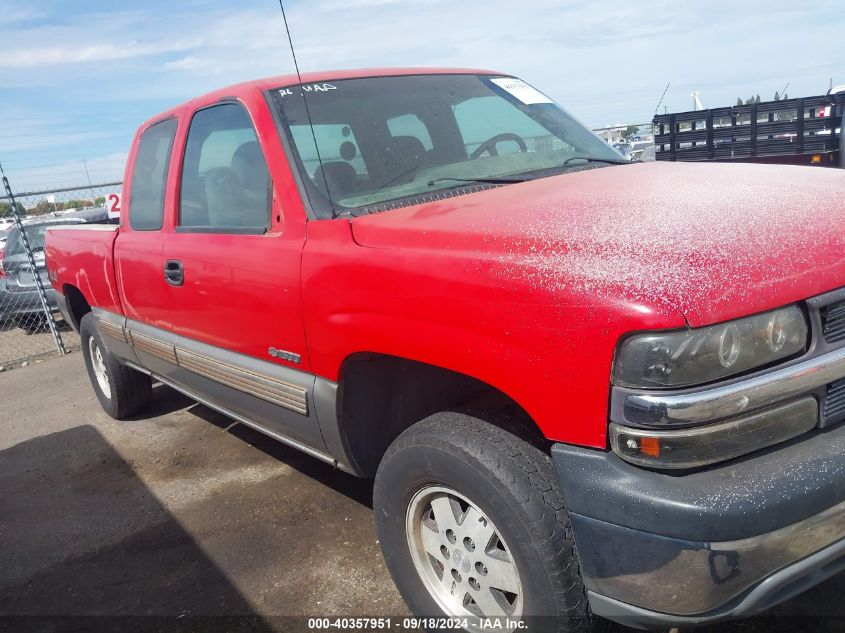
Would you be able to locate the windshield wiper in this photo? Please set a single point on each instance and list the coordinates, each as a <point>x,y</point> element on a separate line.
<point>590,159</point>
<point>491,181</point>
<point>505,181</point>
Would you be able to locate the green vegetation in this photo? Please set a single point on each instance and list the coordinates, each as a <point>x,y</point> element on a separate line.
<point>6,209</point>
<point>631,130</point>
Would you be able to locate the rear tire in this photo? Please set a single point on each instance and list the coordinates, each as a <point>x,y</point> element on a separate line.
<point>122,391</point>
<point>495,480</point>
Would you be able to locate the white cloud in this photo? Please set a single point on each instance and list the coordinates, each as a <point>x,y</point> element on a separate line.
<point>16,14</point>
<point>605,60</point>
<point>51,140</point>
<point>330,6</point>
<point>74,54</point>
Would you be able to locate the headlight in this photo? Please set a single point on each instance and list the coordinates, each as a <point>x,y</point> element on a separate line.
<point>696,356</point>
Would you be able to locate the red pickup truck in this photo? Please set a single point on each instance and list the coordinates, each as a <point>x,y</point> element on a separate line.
<point>586,389</point>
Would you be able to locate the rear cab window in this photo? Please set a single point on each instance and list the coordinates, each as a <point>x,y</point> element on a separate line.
<point>481,118</point>
<point>410,125</point>
<point>338,167</point>
<point>149,176</point>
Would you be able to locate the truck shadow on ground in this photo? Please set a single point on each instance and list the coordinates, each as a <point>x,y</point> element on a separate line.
<point>165,401</point>
<point>355,488</point>
<point>87,546</point>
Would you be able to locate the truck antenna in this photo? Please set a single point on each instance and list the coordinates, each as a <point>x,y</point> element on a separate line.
<point>307,112</point>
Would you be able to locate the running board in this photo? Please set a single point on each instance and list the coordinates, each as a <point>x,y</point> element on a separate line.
<point>245,421</point>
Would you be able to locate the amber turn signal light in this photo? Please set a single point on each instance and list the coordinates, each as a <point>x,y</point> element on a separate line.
<point>717,442</point>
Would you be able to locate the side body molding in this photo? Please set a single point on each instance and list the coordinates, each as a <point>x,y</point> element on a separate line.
<point>261,385</point>
<point>292,406</point>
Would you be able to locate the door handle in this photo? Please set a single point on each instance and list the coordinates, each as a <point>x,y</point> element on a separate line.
<point>173,272</point>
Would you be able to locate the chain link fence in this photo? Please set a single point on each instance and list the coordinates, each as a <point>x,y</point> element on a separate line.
<point>31,327</point>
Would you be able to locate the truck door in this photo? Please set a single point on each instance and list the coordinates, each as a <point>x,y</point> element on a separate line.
<point>139,250</point>
<point>232,267</point>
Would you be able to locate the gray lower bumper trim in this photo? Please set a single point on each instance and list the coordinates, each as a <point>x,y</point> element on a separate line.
<point>745,497</point>
<point>776,588</point>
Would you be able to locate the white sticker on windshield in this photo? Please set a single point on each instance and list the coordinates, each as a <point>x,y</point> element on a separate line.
<point>521,90</point>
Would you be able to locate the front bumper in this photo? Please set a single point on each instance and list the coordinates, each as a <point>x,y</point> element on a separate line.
<point>660,549</point>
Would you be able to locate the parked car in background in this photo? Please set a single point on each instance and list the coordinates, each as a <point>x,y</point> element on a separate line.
<point>636,150</point>
<point>19,300</point>
<point>622,148</point>
<point>642,154</point>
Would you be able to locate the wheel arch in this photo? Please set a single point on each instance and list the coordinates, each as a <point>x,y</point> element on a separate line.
<point>379,396</point>
<point>77,305</point>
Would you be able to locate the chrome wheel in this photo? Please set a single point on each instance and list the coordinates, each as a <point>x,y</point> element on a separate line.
<point>99,366</point>
<point>460,556</point>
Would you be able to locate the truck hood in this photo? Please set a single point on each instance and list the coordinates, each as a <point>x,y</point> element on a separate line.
<point>713,241</point>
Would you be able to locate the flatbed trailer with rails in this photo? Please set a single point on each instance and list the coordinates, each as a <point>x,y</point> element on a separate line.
<point>805,131</point>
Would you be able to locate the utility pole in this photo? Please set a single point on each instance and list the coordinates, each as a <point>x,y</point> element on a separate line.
<point>657,107</point>
<point>90,184</point>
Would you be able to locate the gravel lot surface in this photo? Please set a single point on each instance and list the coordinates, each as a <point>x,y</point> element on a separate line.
<point>183,512</point>
<point>16,346</point>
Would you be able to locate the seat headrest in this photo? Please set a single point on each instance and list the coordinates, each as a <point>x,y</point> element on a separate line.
<point>249,152</point>
<point>249,165</point>
<point>407,147</point>
<point>340,176</point>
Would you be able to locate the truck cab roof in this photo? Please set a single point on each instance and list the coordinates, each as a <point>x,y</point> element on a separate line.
<point>280,81</point>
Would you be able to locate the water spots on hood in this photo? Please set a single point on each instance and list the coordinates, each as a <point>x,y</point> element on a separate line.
<point>696,237</point>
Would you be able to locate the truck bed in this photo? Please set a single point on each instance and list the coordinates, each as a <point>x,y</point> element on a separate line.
<point>83,256</point>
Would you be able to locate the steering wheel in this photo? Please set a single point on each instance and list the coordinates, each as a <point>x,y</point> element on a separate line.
<point>490,144</point>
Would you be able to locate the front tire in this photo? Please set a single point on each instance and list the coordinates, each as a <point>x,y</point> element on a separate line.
<point>122,391</point>
<point>472,525</point>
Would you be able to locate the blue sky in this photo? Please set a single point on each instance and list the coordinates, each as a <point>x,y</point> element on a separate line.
<point>77,78</point>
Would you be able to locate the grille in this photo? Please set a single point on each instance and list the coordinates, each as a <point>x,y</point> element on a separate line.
<point>833,322</point>
<point>834,403</point>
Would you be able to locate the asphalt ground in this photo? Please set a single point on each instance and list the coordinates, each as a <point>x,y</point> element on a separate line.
<point>183,519</point>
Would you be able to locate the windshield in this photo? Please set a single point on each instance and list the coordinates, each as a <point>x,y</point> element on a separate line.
<point>403,139</point>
